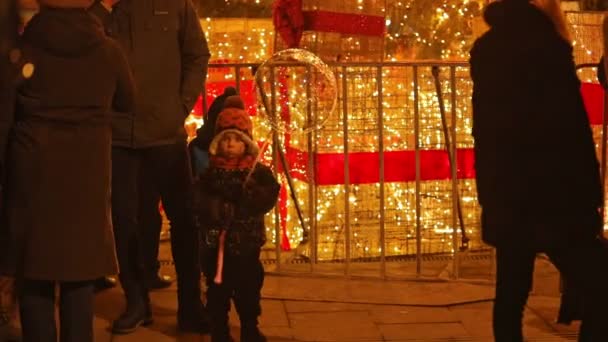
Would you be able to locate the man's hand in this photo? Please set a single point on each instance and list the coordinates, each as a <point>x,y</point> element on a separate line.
<point>108,4</point>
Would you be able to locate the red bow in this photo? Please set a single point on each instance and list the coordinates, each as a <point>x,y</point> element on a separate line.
<point>289,21</point>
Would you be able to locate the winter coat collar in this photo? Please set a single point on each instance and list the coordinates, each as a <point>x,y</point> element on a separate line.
<point>232,163</point>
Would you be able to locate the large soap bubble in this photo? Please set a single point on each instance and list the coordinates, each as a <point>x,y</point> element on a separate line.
<point>296,91</point>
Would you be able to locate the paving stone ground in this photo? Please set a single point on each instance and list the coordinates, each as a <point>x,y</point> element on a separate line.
<point>308,308</point>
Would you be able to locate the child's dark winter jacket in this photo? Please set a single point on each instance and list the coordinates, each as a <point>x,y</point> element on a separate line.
<point>219,189</point>
<point>225,200</point>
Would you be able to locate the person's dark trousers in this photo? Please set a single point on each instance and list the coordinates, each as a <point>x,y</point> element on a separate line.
<point>37,311</point>
<point>151,222</point>
<point>582,263</point>
<point>166,170</point>
<point>125,197</point>
<point>243,279</point>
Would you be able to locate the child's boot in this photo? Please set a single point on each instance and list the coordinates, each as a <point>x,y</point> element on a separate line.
<point>220,332</point>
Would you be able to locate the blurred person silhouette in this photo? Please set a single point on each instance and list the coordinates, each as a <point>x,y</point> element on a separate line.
<point>537,173</point>
<point>56,213</point>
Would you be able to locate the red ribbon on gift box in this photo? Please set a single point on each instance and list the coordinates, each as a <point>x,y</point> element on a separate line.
<point>364,167</point>
<point>344,23</point>
<point>399,165</point>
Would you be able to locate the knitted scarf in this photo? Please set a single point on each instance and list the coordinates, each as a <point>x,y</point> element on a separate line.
<point>220,162</point>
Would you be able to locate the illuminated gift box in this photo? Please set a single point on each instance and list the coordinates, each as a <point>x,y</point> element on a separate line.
<point>340,30</point>
<point>317,166</point>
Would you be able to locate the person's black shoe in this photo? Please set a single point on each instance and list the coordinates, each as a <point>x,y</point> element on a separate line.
<point>129,321</point>
<point>104,283</point>
<point>158,282</point>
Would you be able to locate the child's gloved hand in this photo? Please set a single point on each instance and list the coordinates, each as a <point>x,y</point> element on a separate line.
<point>250,187</point>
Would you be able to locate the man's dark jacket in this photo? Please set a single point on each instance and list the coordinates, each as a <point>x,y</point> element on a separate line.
<point>168,54</point>
<point>536,168</point>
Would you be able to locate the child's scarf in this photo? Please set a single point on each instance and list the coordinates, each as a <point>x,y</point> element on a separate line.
<point>220,162</point>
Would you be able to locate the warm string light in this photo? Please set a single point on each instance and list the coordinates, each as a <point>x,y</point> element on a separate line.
<point>363,199</point>
<point>237,40</point>
<point>434,29</point>
<point>442,33</point>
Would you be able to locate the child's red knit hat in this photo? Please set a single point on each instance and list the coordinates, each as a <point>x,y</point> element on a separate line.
<point>235,119</point>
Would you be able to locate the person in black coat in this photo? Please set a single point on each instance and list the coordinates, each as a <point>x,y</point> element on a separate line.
<point>232,203</point>
<point>168,53</point>
<point>57,215</point>
<point>537,173</point>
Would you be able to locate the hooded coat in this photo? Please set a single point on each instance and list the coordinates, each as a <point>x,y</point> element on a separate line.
<point>537,173</point>
<point>57,222</point>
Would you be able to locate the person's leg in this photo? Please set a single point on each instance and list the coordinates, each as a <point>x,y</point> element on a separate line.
<point>175,179</point>
<point>218,305</point>
<point>125,168</point>
<point>37,311</point>
<point>514,271</point>
<point>150,222</point>
<point>218,298</point>
<point>76,311</point>
<point>584,265</point>
<point>570,308</point>
<point>248,281</point>
<point>9,330</point>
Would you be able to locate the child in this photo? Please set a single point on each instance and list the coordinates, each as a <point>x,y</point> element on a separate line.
<point>228,202</point>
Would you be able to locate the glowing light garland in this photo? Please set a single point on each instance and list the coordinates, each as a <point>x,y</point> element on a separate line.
<point>439,29</point>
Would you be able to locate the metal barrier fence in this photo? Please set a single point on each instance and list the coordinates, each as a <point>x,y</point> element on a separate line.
<point>402,211</point>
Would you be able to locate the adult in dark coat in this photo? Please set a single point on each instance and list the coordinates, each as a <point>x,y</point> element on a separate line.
<point>537,174</point>
<point>57,207</point>
<point>168,53</point>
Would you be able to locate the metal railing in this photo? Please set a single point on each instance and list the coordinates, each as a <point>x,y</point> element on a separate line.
<point>388,113</point>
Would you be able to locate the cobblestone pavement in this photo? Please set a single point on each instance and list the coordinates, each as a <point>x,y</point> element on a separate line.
<point>313,308</point>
